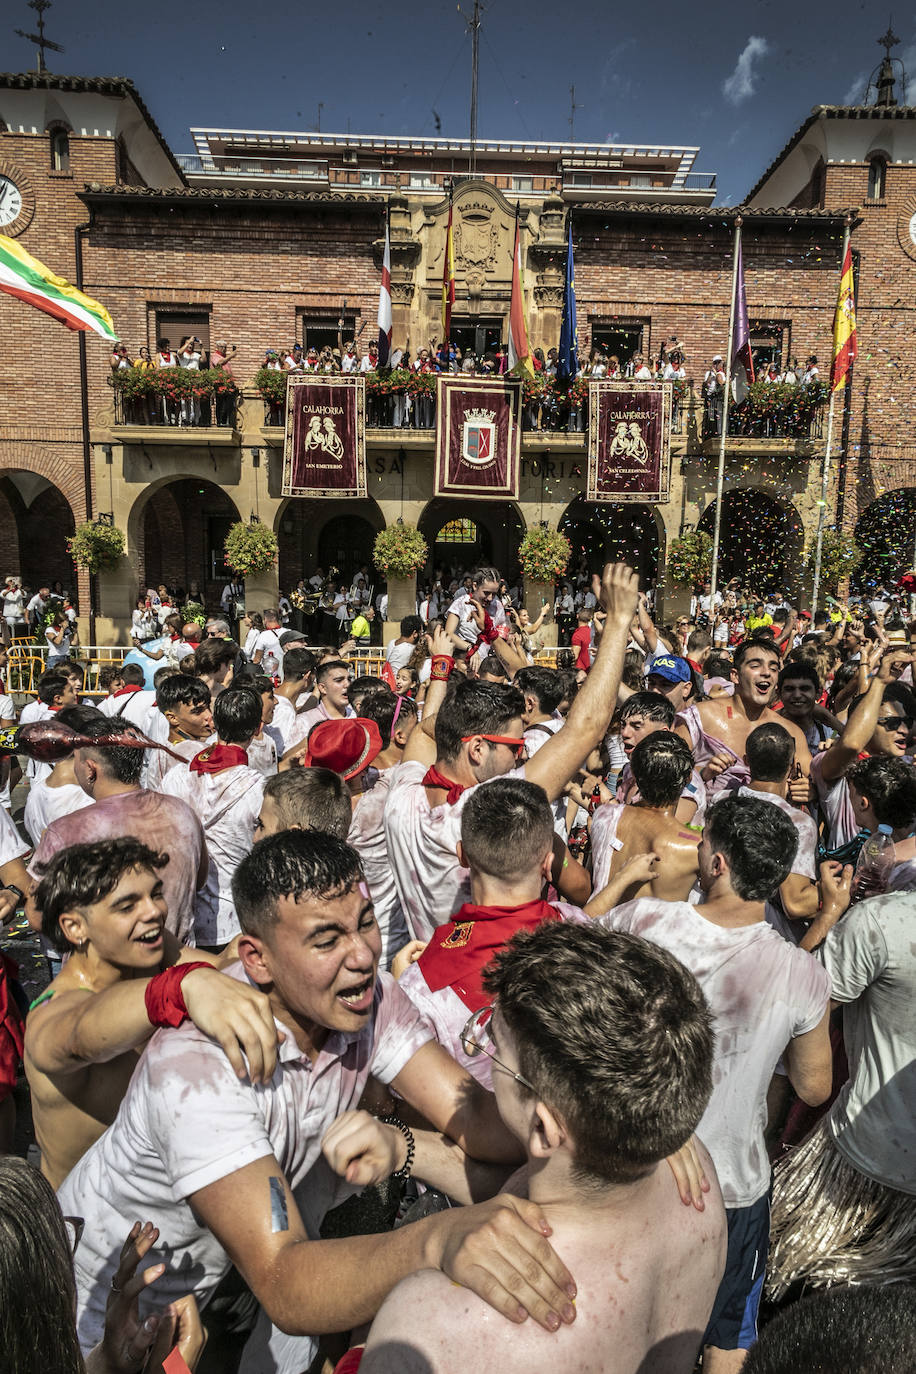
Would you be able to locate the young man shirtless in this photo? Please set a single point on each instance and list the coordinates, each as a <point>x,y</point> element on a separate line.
<point>640,714</point>
<point>661,764</point>
<point>573,1017</point>
<point>104,904</point>
<point>717,730</point>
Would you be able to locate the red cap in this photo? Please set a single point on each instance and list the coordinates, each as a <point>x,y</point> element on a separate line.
<point>345,746</point>
<point>804,615</point>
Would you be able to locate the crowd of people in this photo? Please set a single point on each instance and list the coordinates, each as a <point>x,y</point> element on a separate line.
<point>475,1013</point>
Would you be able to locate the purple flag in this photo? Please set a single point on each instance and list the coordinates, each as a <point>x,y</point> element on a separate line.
<point>742,361</point>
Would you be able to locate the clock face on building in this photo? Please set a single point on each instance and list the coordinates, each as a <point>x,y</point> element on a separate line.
<point>10,201</point>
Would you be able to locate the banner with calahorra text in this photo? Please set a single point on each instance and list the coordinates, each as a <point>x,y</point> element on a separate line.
<point>478,437</point>
<point>324,452</point>
<point>629,441</point>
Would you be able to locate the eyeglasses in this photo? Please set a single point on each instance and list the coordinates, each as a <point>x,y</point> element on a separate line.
<point>476,1037</point>
<point>511,742</point>
<point>895,722</point>
<point>74,1228</point>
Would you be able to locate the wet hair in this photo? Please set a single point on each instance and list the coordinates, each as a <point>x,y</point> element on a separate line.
<point>312,799</point>
<point>82,874</point>
<point>756,641</point>
<point>507,828</point>
<point>298,663</point>
<point>50,685</point>
<point>615,1036</point>
<point>844,1330</point>
<point>718,664</point>
<point>361,687</point>
<point>181,690</point>
<point>214,654</point>
<point>662,764</point>
<point>546,685</point>
<point>237,714</point>
<point>118,763</point>
<point>651,705</point>
<point>382,707</point>
<point>890,786</point>
<point>411,625</point>
<point>797,669</point>
<point>770,750</point>
<point>475,708</point>
<point>759,843</point>
<point>295,864</point>
<point>37,1286</point>
<point>78,717</point>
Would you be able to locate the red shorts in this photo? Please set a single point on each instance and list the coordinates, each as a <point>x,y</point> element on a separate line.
<point>349,1363</point>
<point>12,1029</point>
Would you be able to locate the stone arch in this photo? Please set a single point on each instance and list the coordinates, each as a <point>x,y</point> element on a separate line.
<point>36,519</point>
<point>616,532</point>
<point>175,533</point>
<point>314,533</point>
<point>499,527</point>
<point>886,533</point>
<point>761,541</point>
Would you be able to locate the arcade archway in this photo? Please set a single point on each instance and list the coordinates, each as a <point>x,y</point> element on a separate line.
<point>761,540</point>
<point>179,531</point>
<point>886,534</point>
<point>613,532</point>
<point>326,534</point>
<point>464,534</point>
<point>36,520</point>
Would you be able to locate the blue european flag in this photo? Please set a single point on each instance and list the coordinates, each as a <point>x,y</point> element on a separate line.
<point>568,357</point>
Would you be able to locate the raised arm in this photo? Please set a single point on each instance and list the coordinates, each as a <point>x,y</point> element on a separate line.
<point>565,752</point>
<point>861,724</point>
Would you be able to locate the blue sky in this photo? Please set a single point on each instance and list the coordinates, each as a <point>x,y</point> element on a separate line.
<point>736,80</point>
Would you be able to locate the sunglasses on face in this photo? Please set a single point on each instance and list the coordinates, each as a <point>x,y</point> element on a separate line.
<point>895,723</point>
<point>476,1040</point>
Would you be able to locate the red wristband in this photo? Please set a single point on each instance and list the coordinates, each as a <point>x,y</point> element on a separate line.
<point>441,668</point>
<point>163,997</point>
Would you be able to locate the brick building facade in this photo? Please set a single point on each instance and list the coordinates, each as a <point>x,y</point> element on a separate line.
<point>272,238</point>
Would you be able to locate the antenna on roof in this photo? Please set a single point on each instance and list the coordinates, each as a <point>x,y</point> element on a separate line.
<point>883,77</point>
<point>39,6</point>
<point>572,113</point>
<point>473,24</point>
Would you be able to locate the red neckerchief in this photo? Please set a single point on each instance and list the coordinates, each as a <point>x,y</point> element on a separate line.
<point>123,691</point>
<point>434,778</point>
<point>695,666</point>
<point>217,758</point>
<point>487,634</point>
<point>459,951</point>
<point>172,638</point>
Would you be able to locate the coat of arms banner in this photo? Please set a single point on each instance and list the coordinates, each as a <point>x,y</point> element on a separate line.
<point>325,448</point>
<point>478,437</point>
<point>629,441</point>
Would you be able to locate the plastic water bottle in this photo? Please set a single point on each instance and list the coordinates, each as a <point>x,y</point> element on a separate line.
<point>876,860</point>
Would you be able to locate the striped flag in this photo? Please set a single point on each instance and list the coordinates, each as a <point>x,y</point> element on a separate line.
<point>448,277</point>
<point>567,353</point>
<point>24,276</point>
<point>742,359</point>
<point>844,325</point>
<point>519,352</point>
<point>384,305</point>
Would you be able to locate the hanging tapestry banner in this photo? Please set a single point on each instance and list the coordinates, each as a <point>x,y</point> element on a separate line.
<point>629,441</point>
<point>478,437</point>
<point>325,449</point>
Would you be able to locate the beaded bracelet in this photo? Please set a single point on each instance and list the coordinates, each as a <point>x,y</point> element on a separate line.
<point>407,1133</point>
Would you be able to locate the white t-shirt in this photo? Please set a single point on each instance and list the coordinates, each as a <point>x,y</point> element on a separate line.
<point>12,845</point>
<point>272,655</point>
<point>535,737</point>
<point>835,803</point>
<point>367,836</point>
<point>187,1121</point>
<point>13,603</point>
<point>423,849</point>
<point>763,992</point>
<point>284,720</point>
<point>804,863</point>
<point>305,722</point>
<point>227,805</point>
<point>132,707</point>
<point>45,804</point>
<point>870,956</point>
<point>32,712</point>
<point>399,655</point>
<point>466,628</point>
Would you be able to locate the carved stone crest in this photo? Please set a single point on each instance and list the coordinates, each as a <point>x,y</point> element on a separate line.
<point>476,241</point>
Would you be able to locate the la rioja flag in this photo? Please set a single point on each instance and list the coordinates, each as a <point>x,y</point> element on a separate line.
<point>519,352</point>
<point>384,306</point>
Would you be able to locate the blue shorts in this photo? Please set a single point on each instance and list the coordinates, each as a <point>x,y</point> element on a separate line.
<point>733,1324</point>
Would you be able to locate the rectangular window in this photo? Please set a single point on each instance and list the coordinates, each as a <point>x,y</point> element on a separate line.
<point>320,331</point>
<point>770,344</point>
<point>370,178</point>
<point>522,184</point>
<point>175,324</point>
<point>478,336</point>
<point>621,339</point>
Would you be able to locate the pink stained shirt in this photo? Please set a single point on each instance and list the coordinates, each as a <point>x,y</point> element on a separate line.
<point>187,1121</point>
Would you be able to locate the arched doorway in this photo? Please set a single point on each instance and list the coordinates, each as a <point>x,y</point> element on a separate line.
<point>761,541</point>
<point>886,534</point>
<point>326,534</point>
<point>613,532</point>
<point>180,533</point>
<point>36,520</point>
<point>464,534</point>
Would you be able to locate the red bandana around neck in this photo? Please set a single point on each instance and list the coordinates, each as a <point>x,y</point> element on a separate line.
<point>434,778</point>
<point>459,951</point>
<point>125,691</point>
<point>217,758</point>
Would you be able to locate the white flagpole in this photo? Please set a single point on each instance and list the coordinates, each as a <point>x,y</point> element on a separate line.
<point>825,469</point>
<point>720,479</point>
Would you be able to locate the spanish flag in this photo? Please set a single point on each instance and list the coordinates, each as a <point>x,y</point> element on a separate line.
<point>519,352</point>
<point>844,325</point>
<point>448,278</point>
<point>24,276</point>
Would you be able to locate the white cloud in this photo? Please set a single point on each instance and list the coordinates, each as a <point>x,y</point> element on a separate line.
<point>856,90</point>
<point>740,85</point>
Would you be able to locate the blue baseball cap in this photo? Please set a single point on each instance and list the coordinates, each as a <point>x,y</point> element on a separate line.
<point>671,669</point>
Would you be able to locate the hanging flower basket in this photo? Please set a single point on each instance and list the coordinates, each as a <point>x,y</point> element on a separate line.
<point>840,557</point>
<point>689,559</point>
<point>543,554</point>
<point>250,548</point>
<point>399,551</point>
<point>272,385</point>
<point>193,613</point>
<point>96,547</point>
